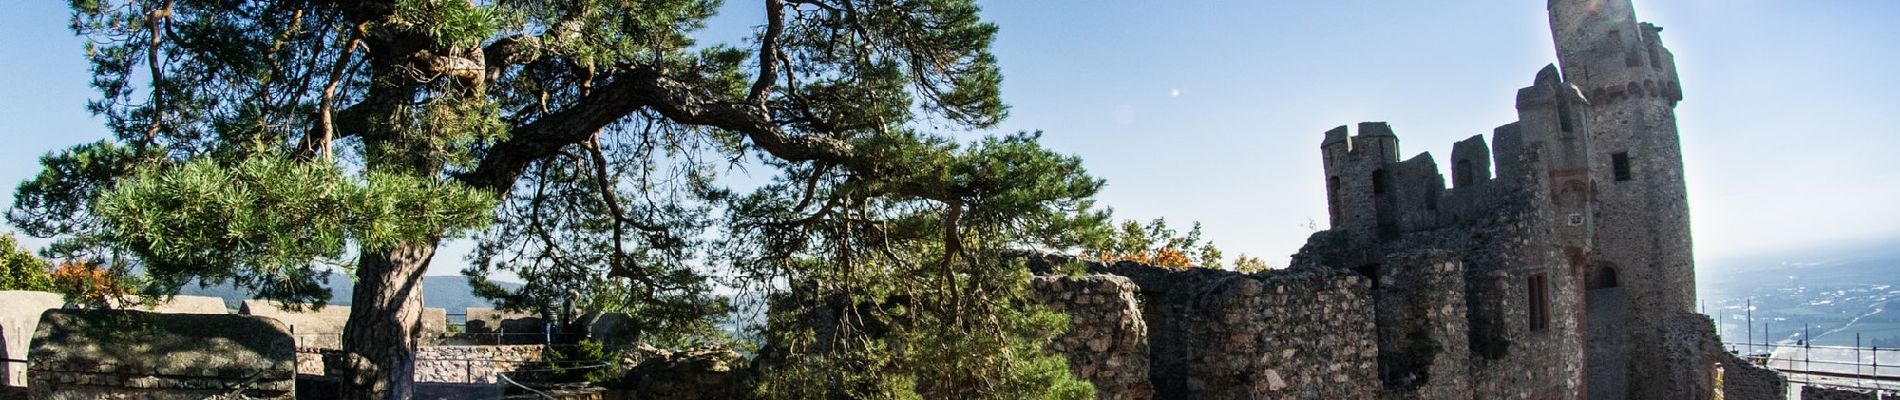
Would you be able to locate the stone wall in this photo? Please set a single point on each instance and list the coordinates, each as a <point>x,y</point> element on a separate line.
<point>492,326</point>
<point>18,319</point>
<point>1107,343</point>
<point>1690,349</point>
<point>97,354</point>
<point>1743,380</point>
<point>182,304</point>
<point>461,364</point>
<point>323,328</point>
<point>1216,334</point>
<point>312,327</point>
<point>1282,335</point>
<point>452,364</point>
<point>1424,350</point>
<point>706,373</point>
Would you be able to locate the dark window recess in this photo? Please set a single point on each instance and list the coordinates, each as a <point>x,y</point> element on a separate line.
<point>1371,272</point>
<point>1655,57</point>
<point>1632,59</point>
<point>1332,197</point>
<point>1378,182</point>
<point>1539,297</point>
<point>1461,174</point>
<point>1620,163</point>
<point>1563,114</point>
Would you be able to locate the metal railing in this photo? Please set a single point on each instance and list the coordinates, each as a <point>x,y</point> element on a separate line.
<point>1837,366</point>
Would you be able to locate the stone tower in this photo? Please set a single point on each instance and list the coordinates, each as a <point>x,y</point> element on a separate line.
<point>1642,271</point>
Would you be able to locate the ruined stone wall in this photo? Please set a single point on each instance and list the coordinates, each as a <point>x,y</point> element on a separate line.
<point>99,354</point>
<point>1284,335</point>
<point>1107,343</point>
<point>1423,345</point>
<point>1216,334</point>
<point>1690,350</point>
<point>1743,380</point>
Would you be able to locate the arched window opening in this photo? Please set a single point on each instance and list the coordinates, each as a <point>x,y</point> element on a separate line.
<point>1603,277</point>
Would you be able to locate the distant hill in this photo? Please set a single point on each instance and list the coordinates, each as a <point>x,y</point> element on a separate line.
<point>447,292</point>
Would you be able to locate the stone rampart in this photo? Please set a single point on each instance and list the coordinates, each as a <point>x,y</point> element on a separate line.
<point>1107,343</point>
<point>100,354</point>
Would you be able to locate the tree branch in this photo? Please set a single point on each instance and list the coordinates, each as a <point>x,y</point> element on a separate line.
<point>768,52</point>
<point>632,90</point>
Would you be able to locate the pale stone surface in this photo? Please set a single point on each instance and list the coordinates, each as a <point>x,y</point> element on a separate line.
<point>182,304</point>
<point>312,327</point>
<point>18,319</point>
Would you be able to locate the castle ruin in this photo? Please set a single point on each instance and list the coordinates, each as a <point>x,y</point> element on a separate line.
<point>1556,265</point>
<point>1576,255</point>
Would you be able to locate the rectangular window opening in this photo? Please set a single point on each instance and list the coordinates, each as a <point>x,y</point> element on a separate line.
<point>1620,163</point>
<point>1539,307</point>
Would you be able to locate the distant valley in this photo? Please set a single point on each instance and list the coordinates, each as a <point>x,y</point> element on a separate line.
<point>1831,293</point>
<point>451,292</point>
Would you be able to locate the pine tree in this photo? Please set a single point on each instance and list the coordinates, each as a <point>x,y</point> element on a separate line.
<point>263,142</point>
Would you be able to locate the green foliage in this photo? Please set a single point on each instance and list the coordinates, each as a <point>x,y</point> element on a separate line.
<point>1246,264</point>
<point>605,200</point>
<point>267,223</point>
<point>20,269</point>
<point>58,202</point>
<point>902,292</point>
<point>1156,244</point>
<point>589,361</point>
<point>450,23</point>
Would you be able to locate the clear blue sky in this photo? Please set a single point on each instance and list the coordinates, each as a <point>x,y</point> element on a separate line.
<point>1212,111</point>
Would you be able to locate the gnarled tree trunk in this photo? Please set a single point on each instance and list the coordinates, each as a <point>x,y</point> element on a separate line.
<point>379,342</point>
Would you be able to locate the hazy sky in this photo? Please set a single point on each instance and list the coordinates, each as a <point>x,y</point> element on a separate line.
<point>1213,111</point>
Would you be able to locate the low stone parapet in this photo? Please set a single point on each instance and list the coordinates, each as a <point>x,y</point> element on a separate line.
<point>117,354</point>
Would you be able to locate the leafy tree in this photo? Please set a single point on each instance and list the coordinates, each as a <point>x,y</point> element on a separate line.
<point>20,269</point>
<point>1155,244</point>
<point>261,142</point>
<point>1243,263</point>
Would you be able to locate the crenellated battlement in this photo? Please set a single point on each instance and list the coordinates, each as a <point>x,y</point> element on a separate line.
<point>1587,183</point>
